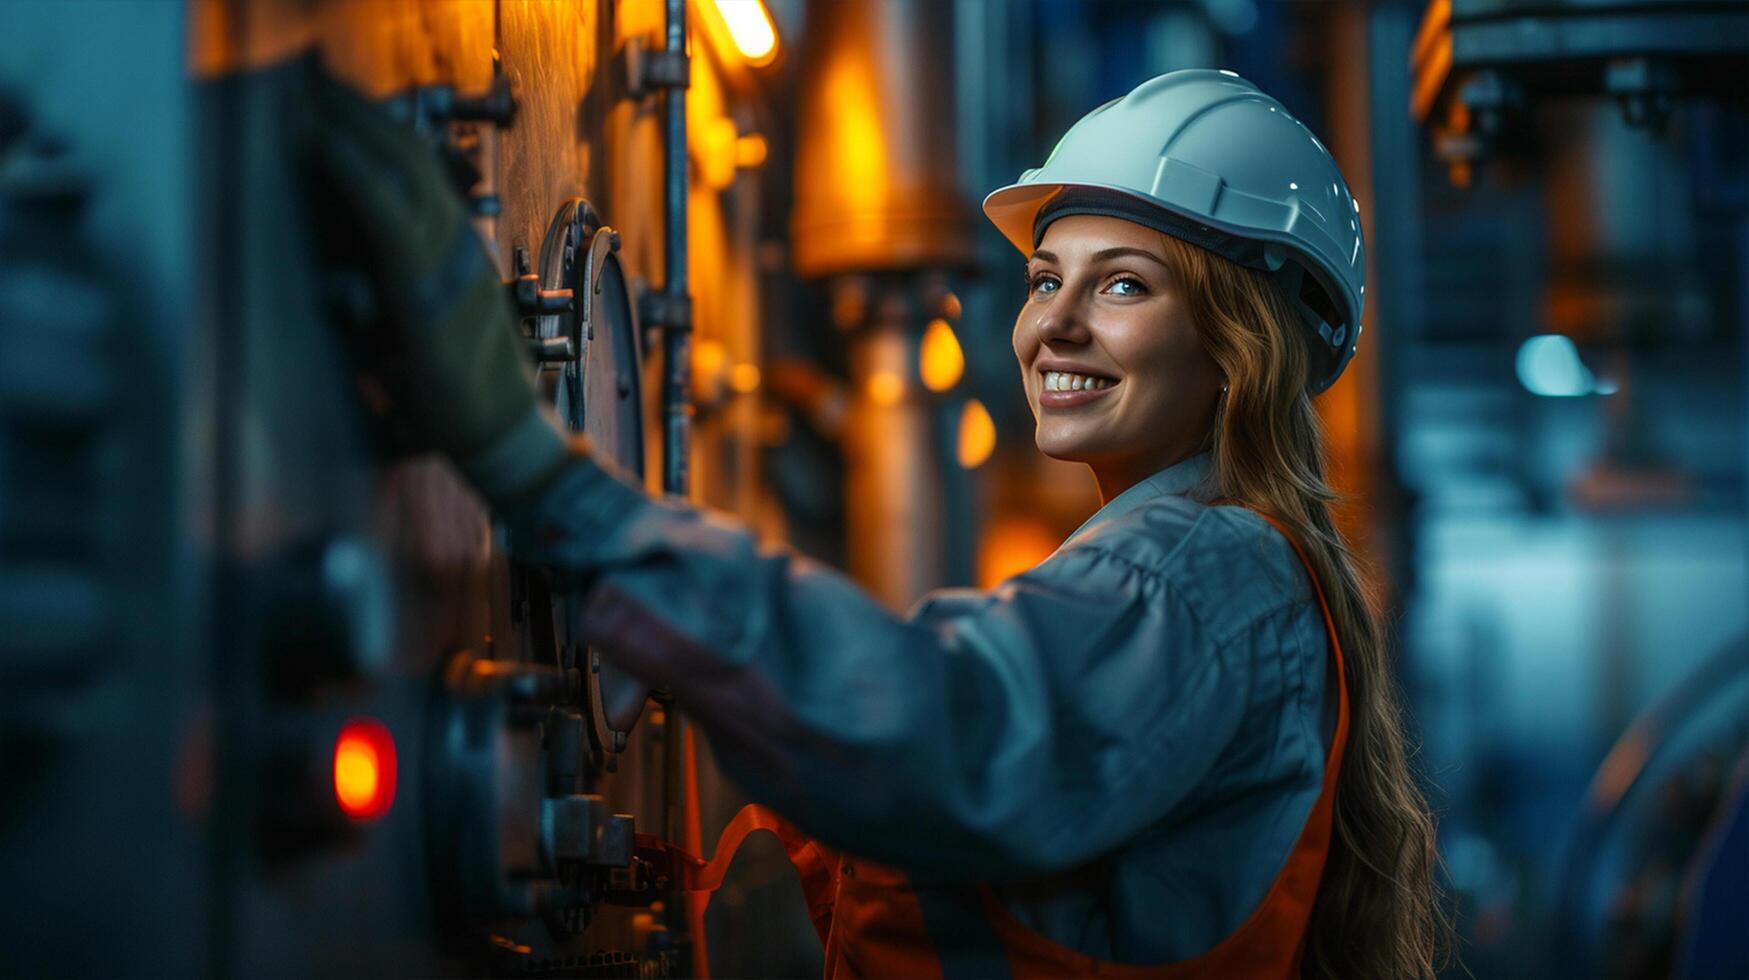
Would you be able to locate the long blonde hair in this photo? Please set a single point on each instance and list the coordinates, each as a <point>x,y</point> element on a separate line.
<point>1377,914</point>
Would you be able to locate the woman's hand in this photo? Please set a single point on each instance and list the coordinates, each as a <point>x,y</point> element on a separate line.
<point>421,302</point>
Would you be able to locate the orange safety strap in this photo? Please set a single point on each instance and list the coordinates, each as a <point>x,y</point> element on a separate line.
<point>695,902</point>
<point>815,863</point>
<point>1271,940</point>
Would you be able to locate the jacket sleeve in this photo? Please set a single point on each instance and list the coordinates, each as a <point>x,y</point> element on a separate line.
<point>990,735</point>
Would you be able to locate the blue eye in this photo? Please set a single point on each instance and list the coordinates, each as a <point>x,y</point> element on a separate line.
<point>1137,288</point>
<point>1039,282</point>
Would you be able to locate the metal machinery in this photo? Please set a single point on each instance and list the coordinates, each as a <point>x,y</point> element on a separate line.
<point>1481,67</point>
<point>274,699</point>
<point>1618,125</point>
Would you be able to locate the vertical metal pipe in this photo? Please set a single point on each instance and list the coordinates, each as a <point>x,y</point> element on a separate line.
<point>878,209</point>
<point>1350,410</point>
<point>1394,321</point>
<point>677,365</point>
<point>676,411</point>
<point>895,479</point>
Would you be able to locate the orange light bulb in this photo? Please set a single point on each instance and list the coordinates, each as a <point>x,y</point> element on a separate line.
<point>750,29</point>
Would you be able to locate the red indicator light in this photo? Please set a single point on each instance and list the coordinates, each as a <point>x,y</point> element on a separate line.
<point>364,769</point>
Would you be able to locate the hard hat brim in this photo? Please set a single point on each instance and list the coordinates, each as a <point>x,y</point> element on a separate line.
<point>1014,210</point>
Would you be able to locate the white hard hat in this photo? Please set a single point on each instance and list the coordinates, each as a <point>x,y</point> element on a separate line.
<point>1206,157</point>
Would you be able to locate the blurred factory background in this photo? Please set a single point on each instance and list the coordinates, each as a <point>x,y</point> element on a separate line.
<point>274,701</point>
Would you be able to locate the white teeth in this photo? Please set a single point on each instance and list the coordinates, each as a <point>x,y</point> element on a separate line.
<point>1064,381</point>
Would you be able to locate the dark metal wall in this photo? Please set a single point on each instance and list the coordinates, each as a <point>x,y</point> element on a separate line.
<point>267,566</point>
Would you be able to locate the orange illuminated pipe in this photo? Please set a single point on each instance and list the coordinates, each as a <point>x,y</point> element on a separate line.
<point>364,769</point>
<point>885,388</point>
<point>695,903</point>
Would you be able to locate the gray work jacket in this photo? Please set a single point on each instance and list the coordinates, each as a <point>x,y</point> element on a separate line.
<point>1124,741</point>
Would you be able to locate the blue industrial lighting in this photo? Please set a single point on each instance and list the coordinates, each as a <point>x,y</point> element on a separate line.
<point>1549,365</point>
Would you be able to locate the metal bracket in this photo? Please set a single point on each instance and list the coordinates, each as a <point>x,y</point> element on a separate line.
<point>664,310</point>
<point>439,104</point>
<point>650,70</point>
<point>1491,97</point>
<point>431,109</point>
<point>1647,89</point>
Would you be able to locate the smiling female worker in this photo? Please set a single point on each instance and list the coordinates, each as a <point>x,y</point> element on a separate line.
<point>1169,750</point>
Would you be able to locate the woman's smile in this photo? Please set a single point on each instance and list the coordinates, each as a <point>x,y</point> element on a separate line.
<point>1071,386</point>
<point>1071,398</point>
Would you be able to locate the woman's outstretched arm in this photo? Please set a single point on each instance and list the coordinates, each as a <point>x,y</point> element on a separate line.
<point>1004,733</point>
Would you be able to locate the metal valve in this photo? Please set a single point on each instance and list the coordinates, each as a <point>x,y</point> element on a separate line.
<point>434,106</point>
<point>497,106</point>
<point>535,301</point>
<point>431,109</point>
<point>552,350</point>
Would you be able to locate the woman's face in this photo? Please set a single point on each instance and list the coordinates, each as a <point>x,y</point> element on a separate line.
<point>1103,314</point>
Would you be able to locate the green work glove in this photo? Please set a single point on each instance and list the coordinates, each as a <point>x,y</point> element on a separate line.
<point>439,338</point>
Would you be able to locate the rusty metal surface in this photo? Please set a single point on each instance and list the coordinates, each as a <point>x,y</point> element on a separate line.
<point>549,52</point>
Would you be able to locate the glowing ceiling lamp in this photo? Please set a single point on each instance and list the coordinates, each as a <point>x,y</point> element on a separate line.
<point>364,769</point>
<point>750,29</point>
<point>940,361</point>
<point>977,435</point>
